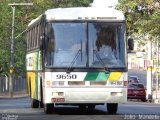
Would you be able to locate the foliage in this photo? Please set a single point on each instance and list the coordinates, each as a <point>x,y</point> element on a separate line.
<point>24,14</point>
<point>145,20</point>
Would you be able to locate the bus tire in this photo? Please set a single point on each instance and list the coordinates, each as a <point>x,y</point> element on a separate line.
<point>41,104</point>
<point>91,107</point>
<point>34,103</point>
<point>48,108</point>
<point>30,87</point>
<point>41,93</point>
<point>143,100</point>
<point>82,106</point>
<point>112,108</point>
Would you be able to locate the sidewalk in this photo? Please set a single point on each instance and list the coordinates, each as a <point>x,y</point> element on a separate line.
<point>156,97</point>
<point>15,95</point>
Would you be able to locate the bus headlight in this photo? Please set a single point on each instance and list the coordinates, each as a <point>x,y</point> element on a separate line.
<point>116,93</point>
<point>58,83</point>
<point>57,94</point>
<point>117,83</point>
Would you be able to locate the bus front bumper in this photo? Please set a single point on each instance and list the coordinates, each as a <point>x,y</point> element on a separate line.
<point>85,95</point>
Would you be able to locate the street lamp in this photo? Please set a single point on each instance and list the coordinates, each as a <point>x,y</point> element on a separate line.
<point>13,5</point>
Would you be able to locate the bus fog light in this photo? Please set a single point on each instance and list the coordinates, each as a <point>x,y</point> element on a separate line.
<point>60,93</point>
<point>55,94</point>
<point>116,93</point>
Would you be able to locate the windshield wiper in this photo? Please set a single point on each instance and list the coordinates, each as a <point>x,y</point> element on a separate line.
<point>101,61</point>
<point>73,61</point>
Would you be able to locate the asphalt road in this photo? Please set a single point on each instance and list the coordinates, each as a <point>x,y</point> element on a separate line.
<point>19,109</point>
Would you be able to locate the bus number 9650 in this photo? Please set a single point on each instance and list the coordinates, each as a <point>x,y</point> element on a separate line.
<point>66,76</point>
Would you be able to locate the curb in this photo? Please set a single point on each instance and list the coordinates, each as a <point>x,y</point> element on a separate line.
<point>156,97</point>
<point>8,97</point>
<point>20,94</point>
<point>156,101</point>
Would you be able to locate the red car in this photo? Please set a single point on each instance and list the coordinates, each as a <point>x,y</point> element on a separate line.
<point>136,91</point>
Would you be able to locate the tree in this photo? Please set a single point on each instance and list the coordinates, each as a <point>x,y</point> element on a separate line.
<point>4,38</point>
<point>142,16</point>
<point>23,16</point>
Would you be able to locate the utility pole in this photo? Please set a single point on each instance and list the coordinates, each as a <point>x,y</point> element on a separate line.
<point>157,80</point>
<point>149,70</point>
<point>13,5</point>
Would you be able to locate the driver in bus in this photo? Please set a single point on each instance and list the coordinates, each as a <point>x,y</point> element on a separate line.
<point>106,45</point>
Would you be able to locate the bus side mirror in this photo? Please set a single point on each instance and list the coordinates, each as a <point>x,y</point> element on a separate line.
<point>42,42</point>
<point>130,44</point>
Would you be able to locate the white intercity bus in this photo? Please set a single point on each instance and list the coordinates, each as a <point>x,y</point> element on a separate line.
<point>77,56</point>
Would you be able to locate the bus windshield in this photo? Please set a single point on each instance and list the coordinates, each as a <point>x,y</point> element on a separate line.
<point>82,44</point>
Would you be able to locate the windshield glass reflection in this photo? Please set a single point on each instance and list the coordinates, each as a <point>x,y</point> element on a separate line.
<point>99,45</point>
<point>64,42</point>
<point>107,45</point>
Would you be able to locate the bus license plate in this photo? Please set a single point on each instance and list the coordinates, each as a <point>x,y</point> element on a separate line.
<point>58,100</point>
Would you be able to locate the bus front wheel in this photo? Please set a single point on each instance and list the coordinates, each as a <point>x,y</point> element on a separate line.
<point>48,108</point>
<point>112,108</point>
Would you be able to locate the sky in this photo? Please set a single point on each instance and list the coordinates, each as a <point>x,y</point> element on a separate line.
<point>104,2</point>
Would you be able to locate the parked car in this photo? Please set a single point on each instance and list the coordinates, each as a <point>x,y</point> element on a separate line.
<point>133,79</point>
<point>136,91</point>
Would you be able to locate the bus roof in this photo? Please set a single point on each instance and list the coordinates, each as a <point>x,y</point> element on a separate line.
<point>88,13</point>
<point>82,13</point>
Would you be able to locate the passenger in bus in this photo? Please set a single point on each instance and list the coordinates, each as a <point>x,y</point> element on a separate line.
<point>106,37</point>
<point>106,45</point>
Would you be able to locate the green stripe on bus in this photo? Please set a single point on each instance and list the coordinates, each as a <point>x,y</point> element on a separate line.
<point>91,76</point>
<point>96,76</point>
<point>36,73</point>
<point>102,76</point>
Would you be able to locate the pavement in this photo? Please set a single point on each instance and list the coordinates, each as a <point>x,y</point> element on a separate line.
<point>156,97</point>
<point>15,94</point>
